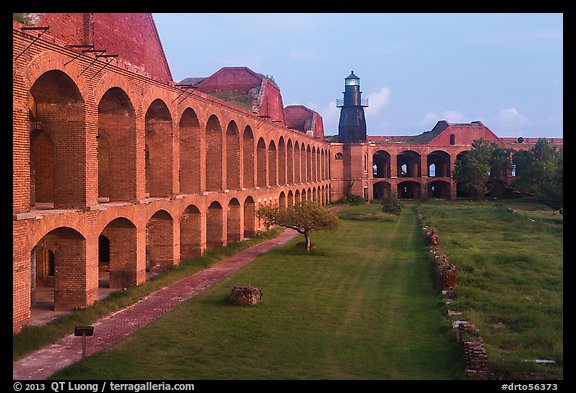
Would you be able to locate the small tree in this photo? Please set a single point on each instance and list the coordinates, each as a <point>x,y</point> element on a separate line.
<point>304,217</point>
<point>391,204</point>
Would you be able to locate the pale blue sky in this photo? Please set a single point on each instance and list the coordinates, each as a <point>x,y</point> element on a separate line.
<point>505,70</point>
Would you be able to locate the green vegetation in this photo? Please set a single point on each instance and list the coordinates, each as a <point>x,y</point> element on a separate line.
<point>362,305</point>
<point>34,337</point>
<point>482,170</point>
<point>240,99</point>
<point>391,204</point>
<point>539,171</point>
<point>509,260</point>
<point>351,199</point>
<point>303,217</point>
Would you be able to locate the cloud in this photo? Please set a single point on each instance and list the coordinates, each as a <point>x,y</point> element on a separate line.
<point>330,118</point>
<point>431,118</point>
<point>510,117</point>
<point>377,101</point>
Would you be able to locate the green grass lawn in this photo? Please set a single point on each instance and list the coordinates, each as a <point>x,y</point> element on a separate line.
<point>509,260</point>
<point>362,306</point>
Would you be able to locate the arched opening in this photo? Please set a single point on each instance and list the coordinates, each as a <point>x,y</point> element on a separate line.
<point>190,233</point>
<point>409,190</point>
<point>158,150</point>
<point>232,157</point>
<point>159,243</point>
<point>290,199</point>
<point>249,218</point>
<point>314,195</point>
<point>409,164</point>
<point>116,147</point>
<point>297,164</point>
<point>289,162</point>
<point>438,164</point>
<point>303,163</point>
<point>282,200</point>
<point>304,195</point>
<point>261,163</point>
<point>248,147</point>
<point>103,262</point>
<point>213,155</point>
<point>318,165</point>
<point>314,173</point>
<point>381,189</point>
<point>452,139</point>
<point>60,277</point>
<point>42,169</point>
<point>233,227</point>
<point>117,255</point>
<point>297,197</point>
<point>58,143</point>
<point>272,163</point>
<point>281,162</point>
<point>339,156</point>
<point>439,189</point>
<point>214,226</point>
<point>308,164</point>
<point>381,167</point>
<point>190,153</point>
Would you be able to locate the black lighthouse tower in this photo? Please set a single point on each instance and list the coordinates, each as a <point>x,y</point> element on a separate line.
<point>352,125</point>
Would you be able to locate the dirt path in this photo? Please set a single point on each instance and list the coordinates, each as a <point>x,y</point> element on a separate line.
<point>44,362</point>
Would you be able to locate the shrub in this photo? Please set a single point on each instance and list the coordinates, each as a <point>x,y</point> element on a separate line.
<point>354,200</point>
<point>391,204</point>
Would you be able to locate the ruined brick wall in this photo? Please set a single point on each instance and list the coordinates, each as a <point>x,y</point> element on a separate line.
<point>132,36</point>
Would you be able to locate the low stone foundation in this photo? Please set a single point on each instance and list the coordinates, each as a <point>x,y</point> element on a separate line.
<point>467,334</point>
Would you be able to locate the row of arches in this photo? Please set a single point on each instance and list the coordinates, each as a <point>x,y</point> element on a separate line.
<point>192,155</point>
<point>65,274</point>
<point>408,163</point>
<point>413,190</point>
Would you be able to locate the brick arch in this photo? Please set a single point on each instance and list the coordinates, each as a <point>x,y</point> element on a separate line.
<point>248,157</point>
<point>158,136</point>
<point>109,81</point>
<point>272,164</point>
<point>190,232</point>
<point>48,225</point>
<point>68,247</point>
<point>214,157</point>
<point>191,152</point>
<point>59,109</point>
<point>314,176</point>
<point>309,166</point>
<point>159,241</point>
<point>121,234</point>
<point>233,221</point>
<point>49,61</point>
<point>116,146</point>
<point>281,153</point>
<point>290,199</point>
<point>233,159</point>
<point>214,225</point>
<point>297,163</point>
<point>261,165</point>
<point>290,162</point>
<point>303,163</point>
